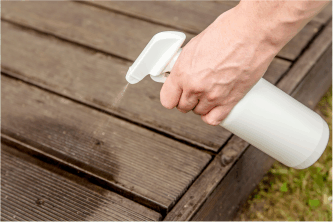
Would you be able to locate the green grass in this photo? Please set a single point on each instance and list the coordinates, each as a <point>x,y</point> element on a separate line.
<point>289,194</point>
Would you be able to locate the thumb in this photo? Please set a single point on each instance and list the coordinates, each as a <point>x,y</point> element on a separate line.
<point>170,93</point>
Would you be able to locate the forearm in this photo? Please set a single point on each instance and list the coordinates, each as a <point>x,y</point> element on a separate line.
<point>276,20</point>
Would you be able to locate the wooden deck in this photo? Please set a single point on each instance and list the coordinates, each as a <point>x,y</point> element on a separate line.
<point>69,154</point>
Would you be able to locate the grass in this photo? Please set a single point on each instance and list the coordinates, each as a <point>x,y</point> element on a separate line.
<point>289,194</point>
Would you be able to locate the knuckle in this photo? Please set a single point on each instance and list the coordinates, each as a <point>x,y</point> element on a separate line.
<point>195,86</point>
<point>196,90</point>
<point>212,97</point>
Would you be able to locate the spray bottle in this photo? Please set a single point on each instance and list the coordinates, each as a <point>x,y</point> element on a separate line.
<point>266,117</point>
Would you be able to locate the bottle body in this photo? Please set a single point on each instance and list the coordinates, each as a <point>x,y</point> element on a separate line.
<point>279,125</point>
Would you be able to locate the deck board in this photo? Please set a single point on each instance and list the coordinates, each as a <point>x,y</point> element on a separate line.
<point>140,163</point>
<point>308,59</point>
<point>96,79</point>
<point>34,190</point>
<point>126,36</point>
<point>96,28</point>
<point>187,16</point>
<point>325,15</point>
<point>61,72</point>
<point>184,16</point>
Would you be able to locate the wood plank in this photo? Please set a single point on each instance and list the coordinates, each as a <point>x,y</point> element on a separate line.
<point>136,162</point>
<point>200,190</point>
<point>297,44</point>
<point>190,16</point>
<point>217,194</point>
<point>96,28</point>
<point>35,190</point>
<point>325,15</point>
<point>69,70</point>
<point>229,2</point>
<point>225,200</point>
<point>187,16</point>
<point>318,71</point>
<point>307,61</point>
<point>118,34</point>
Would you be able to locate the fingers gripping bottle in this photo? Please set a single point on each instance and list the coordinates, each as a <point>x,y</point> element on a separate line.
<point>266,117</point>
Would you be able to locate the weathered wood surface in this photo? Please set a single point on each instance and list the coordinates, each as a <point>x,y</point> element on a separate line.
<point>96,28</point>
<point>206,183</point>
<point>190,16</point>
<point>35,190</point>
<point>217,194</point>
<point>139,163</point>
<point>318,71</point>
<point>187,16</point>
<point>307,60</point>
<point>86,62</point>
<point>96,80</point>
<point>325,15</point>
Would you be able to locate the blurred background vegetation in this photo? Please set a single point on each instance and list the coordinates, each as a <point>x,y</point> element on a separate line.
<point>289,194</point>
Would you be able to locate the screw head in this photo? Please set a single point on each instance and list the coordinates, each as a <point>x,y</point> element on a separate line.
<point>225,159</point>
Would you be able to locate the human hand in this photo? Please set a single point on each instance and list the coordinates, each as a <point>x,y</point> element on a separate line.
<point>218,67</point>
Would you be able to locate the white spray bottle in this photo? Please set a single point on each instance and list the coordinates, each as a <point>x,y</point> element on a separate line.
<point>266,117</point>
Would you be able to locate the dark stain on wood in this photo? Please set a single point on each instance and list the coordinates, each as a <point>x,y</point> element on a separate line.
<point>36,190</point>
<point>138,163</point>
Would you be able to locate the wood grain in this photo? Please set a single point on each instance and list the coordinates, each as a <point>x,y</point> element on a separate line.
<point>226,199</point>
<point>35,190</point>
<point>96,28</point>
<point>96,80</point>
<point>136,162</point>
<point>202,188</point>
<point>190,16</point>
<point>318,72</point>
<point>187,16</point>
<point>124,36</point>
<point>221,189</point>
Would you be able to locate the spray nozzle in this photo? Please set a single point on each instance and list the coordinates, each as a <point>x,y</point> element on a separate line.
<point>158,57</point>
